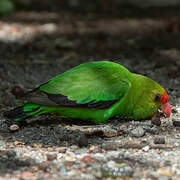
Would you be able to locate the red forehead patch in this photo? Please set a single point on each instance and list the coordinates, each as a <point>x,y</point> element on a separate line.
<point>164,98</point>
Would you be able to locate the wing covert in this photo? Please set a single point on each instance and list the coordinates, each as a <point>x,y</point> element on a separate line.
<point>89,83</point>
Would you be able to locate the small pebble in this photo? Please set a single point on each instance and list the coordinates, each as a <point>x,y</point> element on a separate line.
<point>146,148</point>
<point>144,142</point>
<point>159,140</point>
<point>138,132</point>
<point>110,146</point>
<point>113,169</point>
<point>62,149</point>
<point>64,171</point>
<point>14,127</point>
<point>70,158</point>
<point>44,165</point>
<point>11,153</point>
<point>156,120</point>
<point>51,157</point>
<point>81,151</point>
<point>154,130</point>
<point>34,169</point>
<point>176,123</point>
<point>83,141</point>
<point>2,144</point>
<point>94,149</point>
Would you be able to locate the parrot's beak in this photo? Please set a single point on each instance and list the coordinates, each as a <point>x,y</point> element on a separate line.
<point>166,109</point>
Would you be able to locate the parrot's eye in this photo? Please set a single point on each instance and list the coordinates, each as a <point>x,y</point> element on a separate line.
<point>157,97</point>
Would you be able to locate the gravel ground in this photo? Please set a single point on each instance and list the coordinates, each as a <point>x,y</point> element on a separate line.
<point>36,46</point>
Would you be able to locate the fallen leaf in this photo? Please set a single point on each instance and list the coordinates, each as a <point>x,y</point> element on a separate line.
<point>106,134</point>
<point>165,172</point>
<point>134,142</point>
<point>18,143</point>
<point>110,134</point>
<point>87,159</point>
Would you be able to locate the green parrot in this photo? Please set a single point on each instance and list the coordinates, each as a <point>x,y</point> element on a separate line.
<point>96,92</point>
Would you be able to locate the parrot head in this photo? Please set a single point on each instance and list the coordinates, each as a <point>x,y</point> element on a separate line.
<point>151,97</point>
<point>165,106</point>
<point>159,98</point>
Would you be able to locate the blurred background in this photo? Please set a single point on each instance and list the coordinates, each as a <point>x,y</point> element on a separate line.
<point>40,39</point>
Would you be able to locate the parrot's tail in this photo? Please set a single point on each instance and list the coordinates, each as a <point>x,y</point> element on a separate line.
<point>26,111</point>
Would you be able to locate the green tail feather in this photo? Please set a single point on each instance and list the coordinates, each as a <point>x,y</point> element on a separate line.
<point>26,111</point>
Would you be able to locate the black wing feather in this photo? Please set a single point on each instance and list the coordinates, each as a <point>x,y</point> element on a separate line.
<point>65,102</point>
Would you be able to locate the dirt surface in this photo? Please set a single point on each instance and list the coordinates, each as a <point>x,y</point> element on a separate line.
<point>35,46</point>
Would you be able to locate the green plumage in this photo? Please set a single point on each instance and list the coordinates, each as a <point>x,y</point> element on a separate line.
<point>84,91</point>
